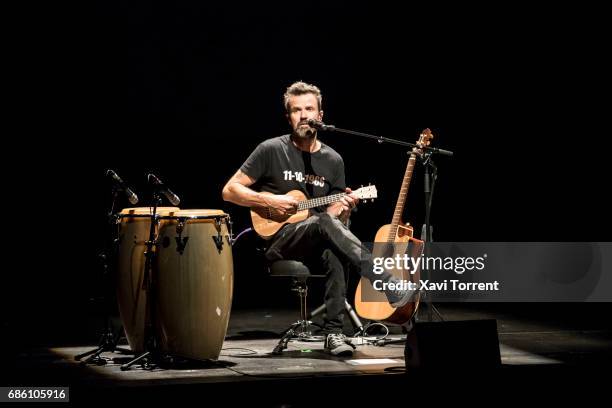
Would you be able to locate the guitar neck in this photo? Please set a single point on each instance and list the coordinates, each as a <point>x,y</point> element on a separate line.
<point>319,201</point>
<point>424,139</point>
<point>401,200</point>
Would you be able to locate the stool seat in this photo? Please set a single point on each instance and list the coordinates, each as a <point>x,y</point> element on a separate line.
<point>292,269</point>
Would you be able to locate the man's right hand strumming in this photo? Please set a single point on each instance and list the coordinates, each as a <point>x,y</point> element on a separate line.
<point>283,204</point>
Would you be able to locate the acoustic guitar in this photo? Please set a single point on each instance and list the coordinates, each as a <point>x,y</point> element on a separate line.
<point>400,236</point>
<point>267,221</point>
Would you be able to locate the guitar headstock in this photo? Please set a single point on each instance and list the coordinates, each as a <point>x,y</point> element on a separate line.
<point>424,138</point>
<point>367,192</point>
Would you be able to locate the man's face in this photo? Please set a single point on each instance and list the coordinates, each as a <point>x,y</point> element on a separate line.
<point>302,108</point>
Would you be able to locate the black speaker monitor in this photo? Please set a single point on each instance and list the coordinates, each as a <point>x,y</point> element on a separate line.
<point>453,344</point>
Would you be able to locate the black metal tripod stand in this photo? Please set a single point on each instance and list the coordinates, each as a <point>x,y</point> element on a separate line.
<point>151,357</point>
<point>431,174</point>
<point>109,338</point>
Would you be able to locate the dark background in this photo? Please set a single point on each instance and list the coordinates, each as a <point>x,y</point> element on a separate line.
<point>187,90</point>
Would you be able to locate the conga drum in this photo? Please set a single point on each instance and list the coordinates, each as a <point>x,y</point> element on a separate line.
<point>134,225</point>
<point>194,283</point>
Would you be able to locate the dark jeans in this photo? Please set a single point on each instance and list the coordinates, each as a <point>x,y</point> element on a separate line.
<point>324,244</point>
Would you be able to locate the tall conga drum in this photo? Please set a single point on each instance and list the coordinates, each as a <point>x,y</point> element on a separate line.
<point>134,225</point>
<point>194,282</point>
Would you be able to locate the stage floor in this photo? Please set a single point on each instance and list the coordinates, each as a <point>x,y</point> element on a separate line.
<point>530,348</point>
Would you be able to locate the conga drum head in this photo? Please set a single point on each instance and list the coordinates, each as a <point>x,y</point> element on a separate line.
<point>198,213</point>
<point>195,283</point>
<point>134,225</point>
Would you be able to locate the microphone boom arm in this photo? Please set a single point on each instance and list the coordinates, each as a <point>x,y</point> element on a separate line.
<point>380,139</point>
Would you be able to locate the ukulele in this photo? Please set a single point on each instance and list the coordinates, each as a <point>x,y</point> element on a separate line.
<point>267,221</point>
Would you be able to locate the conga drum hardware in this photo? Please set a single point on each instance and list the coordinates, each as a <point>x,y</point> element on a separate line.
<point>181,242</point>
<point>219,238</point>
<point>180,226</point>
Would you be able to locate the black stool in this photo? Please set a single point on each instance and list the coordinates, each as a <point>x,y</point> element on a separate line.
<point>302,329</point>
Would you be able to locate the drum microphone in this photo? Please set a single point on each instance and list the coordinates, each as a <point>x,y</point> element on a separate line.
<point>132,198</point>
<point>172,198</point>
<point>320,125</point>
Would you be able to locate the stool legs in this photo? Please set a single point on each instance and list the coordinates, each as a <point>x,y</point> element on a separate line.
<point>300,330</point>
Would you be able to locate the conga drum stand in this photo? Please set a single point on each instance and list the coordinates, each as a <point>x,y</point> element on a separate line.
<point>109,339</point>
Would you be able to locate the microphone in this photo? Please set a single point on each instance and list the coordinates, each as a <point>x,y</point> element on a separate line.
<point>320,125</point>
<point>440,151</point>
<point>172,198</point>
<point>132,198</point>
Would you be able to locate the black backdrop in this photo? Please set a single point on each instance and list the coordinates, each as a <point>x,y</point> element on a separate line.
<point>187,90</point>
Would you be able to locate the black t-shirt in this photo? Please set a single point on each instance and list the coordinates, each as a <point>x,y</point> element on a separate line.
<point>279,167</point>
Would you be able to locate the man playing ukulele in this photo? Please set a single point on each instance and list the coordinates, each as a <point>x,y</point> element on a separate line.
<point>299,161</point>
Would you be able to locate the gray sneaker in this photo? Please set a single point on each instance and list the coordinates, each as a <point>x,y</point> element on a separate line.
<point>338,345</point>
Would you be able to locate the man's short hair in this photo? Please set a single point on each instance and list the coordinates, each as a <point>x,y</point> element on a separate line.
<point>301,88</point>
